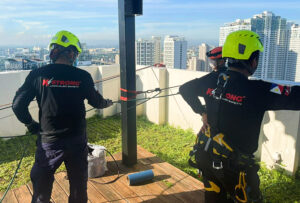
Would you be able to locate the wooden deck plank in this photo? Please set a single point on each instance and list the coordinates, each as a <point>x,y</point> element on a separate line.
<point>189,180</point>
<point>10,197</point>
<point>23,194</point>
<point>106,190</point>
<point>93,194</point>
<point>127,193</point>
<point>123,180</point>
<point>29,186</point>
<point>149,191</point>
<point>108,193</point>
<point>173,186</point>
<point>58,194</point>
<point>168,185</point>
<point>64,183</point>
<point>177,179</point>
<point>178,189</point>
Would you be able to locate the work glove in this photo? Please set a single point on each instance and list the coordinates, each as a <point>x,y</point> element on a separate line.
<point>33,127</point>
<point>109,102</point>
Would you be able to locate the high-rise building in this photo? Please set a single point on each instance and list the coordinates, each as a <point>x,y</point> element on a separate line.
<point>144,52</point>
<point>273,31</point>
<point>85,54</point>
<point>292,72</point>
<point>204,66</point>
<point>194,63</point>
<point>157,49</point>
<point>231,27</point>
<point>175,52</point>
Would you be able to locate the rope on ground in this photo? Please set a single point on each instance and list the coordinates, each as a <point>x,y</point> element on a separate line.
<point>16,171</point>
<point>114,180</point>
<point>146,99</point>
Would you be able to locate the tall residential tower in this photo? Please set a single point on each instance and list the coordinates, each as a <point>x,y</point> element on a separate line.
<point>292,72</point>
<point>175,52</point>
<point>204,66</point>
<point>273,31</point>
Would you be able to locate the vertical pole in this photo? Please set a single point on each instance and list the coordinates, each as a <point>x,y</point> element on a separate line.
<point>128,81</point>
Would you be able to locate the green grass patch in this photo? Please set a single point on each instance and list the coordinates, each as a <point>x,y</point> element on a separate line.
<point>169,143</point>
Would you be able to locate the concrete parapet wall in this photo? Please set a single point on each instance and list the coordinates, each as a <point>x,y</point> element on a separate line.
<point>279,131</point>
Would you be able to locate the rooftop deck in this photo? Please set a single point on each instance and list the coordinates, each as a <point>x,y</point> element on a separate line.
<point>169,184</point>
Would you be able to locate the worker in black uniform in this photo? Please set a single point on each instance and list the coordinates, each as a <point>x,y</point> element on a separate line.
<point>217,64</point>
<point>60,90</point>
<point>235,107</point>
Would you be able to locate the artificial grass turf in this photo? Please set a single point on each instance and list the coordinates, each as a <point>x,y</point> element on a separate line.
<point>168,143</point>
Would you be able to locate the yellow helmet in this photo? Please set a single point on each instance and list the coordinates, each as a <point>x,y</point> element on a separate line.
<point>66,39</point>
<point>241,44</point>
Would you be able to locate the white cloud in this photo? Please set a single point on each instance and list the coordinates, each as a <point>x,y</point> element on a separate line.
<point>57,14</point>
<point>226,4</point>
<point>20,33</point>
<point>31,24</point>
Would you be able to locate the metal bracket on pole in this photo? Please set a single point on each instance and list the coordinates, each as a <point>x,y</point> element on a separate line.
<point>127,11</point>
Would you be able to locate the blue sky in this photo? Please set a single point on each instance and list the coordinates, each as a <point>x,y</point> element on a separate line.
<point>33,22</point>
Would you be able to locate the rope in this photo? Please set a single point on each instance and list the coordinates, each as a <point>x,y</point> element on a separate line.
<point>5,104</point>
<point>146,99</point>
<point>95,82</point>
<point>114,180</point>
<point>117,75</point>
<point>8,107</point>
<point>174,98</point>
<point>16,171</point>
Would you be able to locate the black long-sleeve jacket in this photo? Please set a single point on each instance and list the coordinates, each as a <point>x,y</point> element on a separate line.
<point>60,91</point>
<point>242,106</point>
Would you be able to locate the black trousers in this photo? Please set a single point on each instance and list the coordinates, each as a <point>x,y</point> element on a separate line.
<point>220,184</point>
<point>49,156</point>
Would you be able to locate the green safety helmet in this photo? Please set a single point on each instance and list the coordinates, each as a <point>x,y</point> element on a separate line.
<point>241,44</point>
<point>65,39</point>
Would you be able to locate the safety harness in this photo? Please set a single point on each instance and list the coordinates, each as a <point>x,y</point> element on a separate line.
<point>219,150</point>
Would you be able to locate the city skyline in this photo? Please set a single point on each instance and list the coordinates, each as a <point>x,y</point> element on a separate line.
<point>29,23</point>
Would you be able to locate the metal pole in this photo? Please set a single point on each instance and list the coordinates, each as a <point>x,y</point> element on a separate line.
<point>127,11</point>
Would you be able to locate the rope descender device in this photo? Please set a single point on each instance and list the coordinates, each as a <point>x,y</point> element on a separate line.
<point>222,81</point>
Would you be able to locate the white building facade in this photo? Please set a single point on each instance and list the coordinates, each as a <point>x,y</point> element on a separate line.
<point>157,49</point>
<point>194,64</point>
<point>273,31</point>
<point>203,49</point>
<point>144,52</point>
<point>175,52</point>
<point>231,27</point>
<point>293,59</point>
